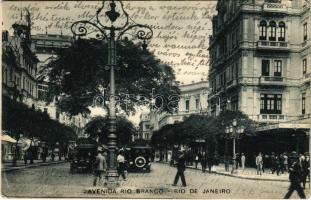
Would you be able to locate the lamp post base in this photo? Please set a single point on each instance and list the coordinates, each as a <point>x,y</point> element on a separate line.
<point>112,179</point>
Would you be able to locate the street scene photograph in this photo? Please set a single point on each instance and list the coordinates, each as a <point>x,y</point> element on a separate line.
<point>156,99</point>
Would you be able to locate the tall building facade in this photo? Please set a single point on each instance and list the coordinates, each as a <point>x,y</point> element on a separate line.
<point>260,64</point>
<point>19,67</point>
<point>23,76</point>
<point>46,47</point>
<point>192,100</point>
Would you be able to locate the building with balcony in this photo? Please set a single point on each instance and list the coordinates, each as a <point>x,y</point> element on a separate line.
<point>192,100</point>
<point>19,66</point>
<point>260,65</point>
<point>144,127</point>
<point>46,47</point>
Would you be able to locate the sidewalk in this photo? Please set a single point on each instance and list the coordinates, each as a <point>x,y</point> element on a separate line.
<point>247,173</point>
<point>8,166</point>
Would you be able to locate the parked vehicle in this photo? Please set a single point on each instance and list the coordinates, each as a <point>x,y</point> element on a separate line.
<point>139,158</point>
<point>83,158</point>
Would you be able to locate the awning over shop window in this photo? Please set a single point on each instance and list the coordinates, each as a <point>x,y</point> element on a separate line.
<point>7,138</point>
<point>284,126</point>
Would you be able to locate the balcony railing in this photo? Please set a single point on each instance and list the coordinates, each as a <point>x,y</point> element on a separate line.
<point>277,45</point>
<point>271,117</point>
<point>272,80</point>
<point>274,7</point>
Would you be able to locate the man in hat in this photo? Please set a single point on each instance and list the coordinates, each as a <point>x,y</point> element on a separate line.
<point>100,166</point>
<point>121,164</point>
<point>295,174</point>
<point>180,169</point>
<point>305,165</point>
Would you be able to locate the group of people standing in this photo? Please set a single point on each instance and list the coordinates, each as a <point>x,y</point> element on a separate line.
<point>207,161</point>
<point>100,165</point>
<point>277,163</point>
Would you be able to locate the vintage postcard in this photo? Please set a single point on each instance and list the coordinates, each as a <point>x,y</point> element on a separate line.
<point>156,99</point>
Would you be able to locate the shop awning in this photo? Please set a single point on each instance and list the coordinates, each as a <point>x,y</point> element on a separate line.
<point>288,125</point>
<point>7,138</point>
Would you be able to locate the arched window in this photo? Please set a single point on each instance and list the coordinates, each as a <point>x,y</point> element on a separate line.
<point>263,30</point>
<point>272,32</point>
<point>281,31</point>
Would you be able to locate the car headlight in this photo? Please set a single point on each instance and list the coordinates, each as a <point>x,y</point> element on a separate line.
<point>131,163</point>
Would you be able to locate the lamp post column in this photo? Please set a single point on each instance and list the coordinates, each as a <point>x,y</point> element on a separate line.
<point>112,174</point>
<point>226,155</point>
<point>112,33</point>
<point>234,155</point>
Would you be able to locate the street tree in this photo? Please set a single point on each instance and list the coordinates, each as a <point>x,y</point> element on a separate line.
<point>80,74</point>
<point>98,129</point>
<point>225,118</point>
<point>18,119</point>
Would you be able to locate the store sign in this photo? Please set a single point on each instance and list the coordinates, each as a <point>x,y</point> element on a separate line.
<point>295,126</point>
<point>201,140</point>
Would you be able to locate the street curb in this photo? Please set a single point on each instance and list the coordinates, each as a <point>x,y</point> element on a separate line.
<point>236,176</point>
<point>32,166</point>
<point>249,178</point>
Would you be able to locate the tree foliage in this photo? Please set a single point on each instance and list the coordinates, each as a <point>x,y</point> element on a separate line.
<point>18,119</point>
<point>225,118</point>
<point>80,73</point>
<point>98,127</point>
<point>201,127</point>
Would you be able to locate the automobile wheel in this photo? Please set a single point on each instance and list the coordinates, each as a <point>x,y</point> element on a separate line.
<point>140,162</point>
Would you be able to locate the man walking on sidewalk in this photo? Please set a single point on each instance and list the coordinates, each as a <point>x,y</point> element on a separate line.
<point>203,162</point>
<point>100,166</point>
<point>180,169</point>
<point>210,162</point>
<point>121,164</point>
<point>295,174</point>
<point>243,161</point>
<point>196,160</point>
<point>305,171</point>
<point>259,163</point>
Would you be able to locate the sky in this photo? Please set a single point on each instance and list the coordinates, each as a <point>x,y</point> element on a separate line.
<point>180,28</point>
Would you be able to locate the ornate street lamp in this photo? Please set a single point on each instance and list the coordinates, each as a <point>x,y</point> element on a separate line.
<point>112,33</point>
<point>233,131</point>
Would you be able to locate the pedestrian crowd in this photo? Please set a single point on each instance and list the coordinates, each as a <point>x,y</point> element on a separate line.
<point>279,163</point>
<point>298,166</point>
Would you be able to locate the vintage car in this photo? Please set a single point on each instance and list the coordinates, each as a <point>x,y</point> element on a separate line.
<point>139,158</point>
<point>83,158</point>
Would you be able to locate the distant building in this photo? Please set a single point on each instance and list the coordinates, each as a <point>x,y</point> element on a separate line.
<point>144,127</point>
<point>192,100</point>
<point>260,65</point>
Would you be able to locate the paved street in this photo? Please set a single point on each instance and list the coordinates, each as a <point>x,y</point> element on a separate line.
<point>56,181</point>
